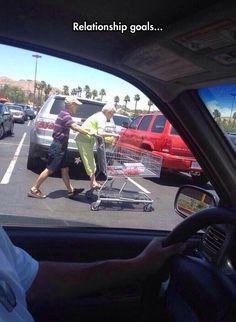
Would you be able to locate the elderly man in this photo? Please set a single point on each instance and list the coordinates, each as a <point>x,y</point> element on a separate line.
<point>97,124</point>
<point>57,153</point>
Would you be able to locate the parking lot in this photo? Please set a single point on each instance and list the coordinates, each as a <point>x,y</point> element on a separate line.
<point>15,181</point>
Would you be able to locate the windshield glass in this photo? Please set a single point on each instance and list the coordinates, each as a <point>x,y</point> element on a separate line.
<point>119,119</point>
<point>147,162</point>
<point>221,103</point>
<point>14,107</point>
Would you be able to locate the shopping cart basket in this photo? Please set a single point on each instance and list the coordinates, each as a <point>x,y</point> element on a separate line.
<point>122,164</point>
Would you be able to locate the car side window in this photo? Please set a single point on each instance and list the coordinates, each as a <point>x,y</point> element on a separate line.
<point>159,124</point>
<point>145,122</point>
<point>134,124</point>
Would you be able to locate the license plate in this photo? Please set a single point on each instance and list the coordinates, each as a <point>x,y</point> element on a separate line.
<point>195,165</point>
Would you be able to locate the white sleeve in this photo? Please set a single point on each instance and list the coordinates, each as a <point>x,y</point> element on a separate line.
<point>26,267</point>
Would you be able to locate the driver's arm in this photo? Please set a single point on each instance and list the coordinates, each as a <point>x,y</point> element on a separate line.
<point>58,281</point>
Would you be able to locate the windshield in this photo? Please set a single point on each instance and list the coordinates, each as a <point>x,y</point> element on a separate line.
<point>147,163</point>
<point>120,119</point>
<point>221,103</point>
<point>14,107</point>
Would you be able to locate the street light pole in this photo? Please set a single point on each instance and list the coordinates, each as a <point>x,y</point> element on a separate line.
<point>36,56</point>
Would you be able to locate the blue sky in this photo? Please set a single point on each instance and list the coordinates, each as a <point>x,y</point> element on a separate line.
<point>19,64</point>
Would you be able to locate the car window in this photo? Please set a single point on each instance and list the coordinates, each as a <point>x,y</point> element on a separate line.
<point>159,124</point>
<point>221,103</point>
<point>83,111</point>
<point>145,123</point>
<point>119,120</point>
<point>24,155</point>
<point>173,131</point>
<point>135,122</point>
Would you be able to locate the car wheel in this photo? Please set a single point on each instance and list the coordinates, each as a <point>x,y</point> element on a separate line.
<point>199,178</point>
<point>1,131</point>
<point>11,131</point>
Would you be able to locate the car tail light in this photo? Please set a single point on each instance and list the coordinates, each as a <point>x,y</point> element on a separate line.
<point>44,124</point>
<point>166,145</point>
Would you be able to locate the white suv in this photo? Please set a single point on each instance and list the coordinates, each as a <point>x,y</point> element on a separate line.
<point>41,132</point>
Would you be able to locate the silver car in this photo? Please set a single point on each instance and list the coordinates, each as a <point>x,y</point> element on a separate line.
<point>41,132</point>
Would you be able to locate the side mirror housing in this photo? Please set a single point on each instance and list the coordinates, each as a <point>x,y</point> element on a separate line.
<point>191,199</point>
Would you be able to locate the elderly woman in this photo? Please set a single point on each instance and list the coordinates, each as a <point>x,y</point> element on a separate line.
<point>96,125</point>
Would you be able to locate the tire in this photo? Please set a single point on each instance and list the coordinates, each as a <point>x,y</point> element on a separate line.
<point>11,131</point>
<point>148,208</point>
<point>33,163</point>
<point>199,179</point>
<point>94,206</point>
<point>2,132</point>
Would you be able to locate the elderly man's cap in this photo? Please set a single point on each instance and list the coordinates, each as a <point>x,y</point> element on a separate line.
<point>72,99</point>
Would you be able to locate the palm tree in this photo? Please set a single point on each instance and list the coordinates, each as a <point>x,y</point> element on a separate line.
<point>102,93</point>
<point>136,98</point>
<point>47,90</point>
<point>86,90</point>
<point>65,90</point>
<point>234,119</point>
<point>79,91</point>
<point>88,94</point>
<point>216,115</point>
<point>126,99</point>
<point>116,100</point>
<point>150,103</point>
<point>74,91</point>
<point>94,93</point>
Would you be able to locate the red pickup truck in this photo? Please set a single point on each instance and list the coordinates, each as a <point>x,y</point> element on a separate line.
<point>153,132</point>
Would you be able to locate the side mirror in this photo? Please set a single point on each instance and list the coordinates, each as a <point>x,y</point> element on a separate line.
<point>190,200</point>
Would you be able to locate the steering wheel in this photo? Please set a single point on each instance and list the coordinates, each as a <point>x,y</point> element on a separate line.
<point>181,233</point>
<point>195,222</point>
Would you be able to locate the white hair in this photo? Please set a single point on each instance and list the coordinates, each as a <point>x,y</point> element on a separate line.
<point>109,107</point>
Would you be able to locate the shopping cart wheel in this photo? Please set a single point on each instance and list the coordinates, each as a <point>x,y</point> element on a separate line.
<point>148,208</point>
<point>94,206</point>
<point>89,194</point>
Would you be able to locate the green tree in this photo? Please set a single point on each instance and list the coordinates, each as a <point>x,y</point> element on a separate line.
<point>234,120</point>
<point>94,93</point>
<point>65,90</point>
<point>86,90</point>
<point>216,114</point>
<point>47,89</point>
<point>136,98</point>
<point>102,93</point>
<point>79,91</point>
<point>126,99</point>
<point>116,100</point>
<point>74,91</point>
<point>88,94</point>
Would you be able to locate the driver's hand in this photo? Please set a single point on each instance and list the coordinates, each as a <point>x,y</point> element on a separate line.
<point>154,255</point>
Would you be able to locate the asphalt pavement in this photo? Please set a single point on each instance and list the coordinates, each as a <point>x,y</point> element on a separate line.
<point>16,206</point>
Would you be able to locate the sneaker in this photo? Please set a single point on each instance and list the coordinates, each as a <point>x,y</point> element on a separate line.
<point>74,193</point>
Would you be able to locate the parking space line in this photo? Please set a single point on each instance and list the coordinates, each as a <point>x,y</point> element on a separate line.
<point>7,175</point>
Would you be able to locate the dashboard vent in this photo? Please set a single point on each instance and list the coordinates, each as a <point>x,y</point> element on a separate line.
<point>213,240</point>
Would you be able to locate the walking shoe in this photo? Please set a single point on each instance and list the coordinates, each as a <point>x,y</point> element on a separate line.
<point>36,194</point>
<point>74,193</point>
